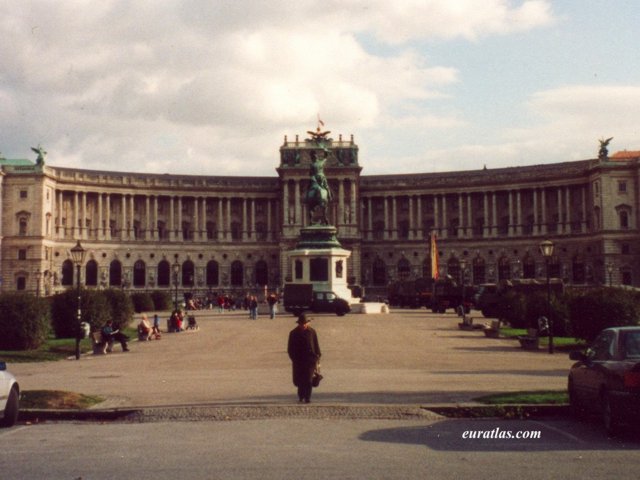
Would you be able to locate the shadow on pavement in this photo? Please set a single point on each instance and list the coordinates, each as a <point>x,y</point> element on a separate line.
<point>492,435</point>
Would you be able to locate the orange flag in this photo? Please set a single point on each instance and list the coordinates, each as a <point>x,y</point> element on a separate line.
<point>434,257</point>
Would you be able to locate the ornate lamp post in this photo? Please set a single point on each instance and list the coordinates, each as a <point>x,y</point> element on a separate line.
<point>77,255</point>
<point>463,269</point>
<point>176,272</point>
<point>546,249</point>
<point>610,272</point>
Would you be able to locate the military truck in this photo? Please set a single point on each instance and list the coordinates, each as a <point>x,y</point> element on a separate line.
<point>301,297</point>
<point>410,293</point>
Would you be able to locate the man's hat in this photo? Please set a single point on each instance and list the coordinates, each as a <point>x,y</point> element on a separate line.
<point>302,319</point>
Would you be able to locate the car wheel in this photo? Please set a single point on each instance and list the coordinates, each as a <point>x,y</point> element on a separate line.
<point>577,409</point>
<point>610,417</point>
<point>11,409</point>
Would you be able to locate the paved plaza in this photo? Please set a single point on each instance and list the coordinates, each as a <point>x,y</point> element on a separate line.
<point>407,357</point>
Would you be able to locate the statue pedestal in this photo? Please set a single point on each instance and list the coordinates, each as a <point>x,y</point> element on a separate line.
<point>319,259</point>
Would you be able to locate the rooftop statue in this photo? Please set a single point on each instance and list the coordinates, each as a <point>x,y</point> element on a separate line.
<point>41,153</point>
<point>603,154</point>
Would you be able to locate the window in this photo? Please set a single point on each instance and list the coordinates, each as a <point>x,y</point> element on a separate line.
<point>67,273</point>
<point>379,271</point>
<point>22,227</point>
<point>262,273</point>
<point>625,249</point>
<point>188,273</point>
<point>212,273</point>
<point>622,186</point>
<point>22,254</point>
<point>139,274</point>
<point>21,283</point>
<point>404,269</point>
<point>23,194</point>
<point>237,274</point>
<point>115,274</point>
<point>164,274</point>
<point>624,219</point>
<point>91,273</point>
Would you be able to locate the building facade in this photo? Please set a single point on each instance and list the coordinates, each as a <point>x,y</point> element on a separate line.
<point>214,233</point>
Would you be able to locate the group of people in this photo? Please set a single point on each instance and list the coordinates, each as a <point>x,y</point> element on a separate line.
<point>146,331</point>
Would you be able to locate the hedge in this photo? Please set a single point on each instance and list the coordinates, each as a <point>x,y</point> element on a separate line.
<point>25,321</point>
<point>64,310</point>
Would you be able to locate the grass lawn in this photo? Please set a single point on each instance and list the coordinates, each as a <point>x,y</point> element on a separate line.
<point>54,349</point>
<point>56,399</point>
<point>562,343</point>
<point>531,398</point>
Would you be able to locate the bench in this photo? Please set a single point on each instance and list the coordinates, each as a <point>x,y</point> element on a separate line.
<point>492,329</point>
<point>531,340</point>
<point>99,345</point>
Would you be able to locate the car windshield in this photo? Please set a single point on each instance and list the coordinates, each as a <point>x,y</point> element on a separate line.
<point>631,343</point>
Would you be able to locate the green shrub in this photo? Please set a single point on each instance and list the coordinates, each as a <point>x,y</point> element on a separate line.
<point>536,307</point>
<point>120,307</point>
<point>25,321</point>
<point>64,311</point>
<point>596,310</point>
<point>512,309</point>
<point>142,302</point>
<point>161,300</point>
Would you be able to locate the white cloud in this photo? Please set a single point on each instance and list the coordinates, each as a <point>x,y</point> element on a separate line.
<point>148,86</point>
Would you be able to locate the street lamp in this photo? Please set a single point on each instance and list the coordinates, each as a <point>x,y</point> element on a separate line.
<point>176,271</point>
<point>463,267</point>
<point>546,249</point>
<point>77,255</point>
<point>610,271</point>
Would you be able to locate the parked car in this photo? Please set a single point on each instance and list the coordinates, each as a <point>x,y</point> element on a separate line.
<point>606,378</point>
<point>9,397</point>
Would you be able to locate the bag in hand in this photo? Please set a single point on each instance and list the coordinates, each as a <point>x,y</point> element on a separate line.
<point>315,381</point>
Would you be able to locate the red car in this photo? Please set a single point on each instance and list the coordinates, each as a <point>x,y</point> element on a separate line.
<point>606,378</point>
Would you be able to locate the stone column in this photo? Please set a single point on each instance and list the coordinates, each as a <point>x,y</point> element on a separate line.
<point>445,230</point>
<point>394,213</point>
<point>179,226</point>
<point>155,218</point>
<point>354,201</point>
<point>543,212</point>
<point>172,223</point>
<point>83,220</point>
<point>252,229</point>
<point>229,237</point>
<point>370,217</point>
<point>583,213</point>
<point>469,216</point>
<point>132,221</point>
<point>100,232</point>
<point>340,202</point>
<point>76,216</point>
<point>269,221</point>
<point>297,220</point>
<point>560,212</point>
<point>485,205</point>
<point>220,220</point>
<point>108,218</point>
<point>518,213</point>
<point>494,214</point>
<point>536,224</point>
<point>244,219</point>
<point>419,220</point>
<point>461,229</point>
<point>411,222</point>
<point>387,226</point>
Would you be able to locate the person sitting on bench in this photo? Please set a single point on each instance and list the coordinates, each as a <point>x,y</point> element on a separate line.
<point>109,335</point>
<point>144,329</point>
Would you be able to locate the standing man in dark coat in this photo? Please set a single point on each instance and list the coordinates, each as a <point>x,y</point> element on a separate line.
<point>304,352</point>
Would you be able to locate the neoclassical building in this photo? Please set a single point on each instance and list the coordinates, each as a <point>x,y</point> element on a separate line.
<point>215,233</point>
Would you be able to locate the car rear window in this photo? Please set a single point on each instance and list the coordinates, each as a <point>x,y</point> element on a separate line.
<point>631,343</point>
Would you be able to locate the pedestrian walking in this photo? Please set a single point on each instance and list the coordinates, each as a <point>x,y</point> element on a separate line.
<point>304,351</point>
<point>272,300</point>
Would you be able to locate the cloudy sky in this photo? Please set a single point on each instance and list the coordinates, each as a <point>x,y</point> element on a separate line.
<point>212,86</point>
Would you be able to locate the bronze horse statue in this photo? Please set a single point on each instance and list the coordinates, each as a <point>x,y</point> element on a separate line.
<point>317,200</point>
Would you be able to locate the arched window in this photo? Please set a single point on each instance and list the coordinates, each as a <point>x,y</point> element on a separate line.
<point>115,274</point>
<point>262,273</point>
<point>139,274</point>
<point>528,267</point>
<point>237,274</point>
<point>453,269</point>
<point>379,272</point>
<point>426,268</point>
<point>404,269</point>
<point>504,268</point>
<point>164,274</point>
<point>91,274</point>
<point>67,273</point>
<point>212,273</point>
<point>479,271</point>
<point>188,273</point>
<point>578,269</point>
